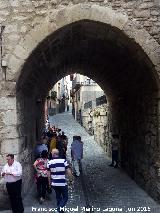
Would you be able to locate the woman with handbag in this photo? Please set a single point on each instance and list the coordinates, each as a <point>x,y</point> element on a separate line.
<point>40,166</point>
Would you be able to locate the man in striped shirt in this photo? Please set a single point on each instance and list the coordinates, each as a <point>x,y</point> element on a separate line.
<point>57,169</point>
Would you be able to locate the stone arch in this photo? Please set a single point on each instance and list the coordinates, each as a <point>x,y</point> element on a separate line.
<point>75,13</point>
<point>99,15</point>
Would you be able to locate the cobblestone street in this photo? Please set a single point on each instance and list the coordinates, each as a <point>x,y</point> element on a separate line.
<point>103,188</point>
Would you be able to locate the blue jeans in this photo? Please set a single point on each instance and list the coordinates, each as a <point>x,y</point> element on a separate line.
<point>61,196</point>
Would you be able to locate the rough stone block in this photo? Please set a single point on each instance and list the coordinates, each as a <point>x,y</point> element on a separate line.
<point>28,43</point>
<point>141,37</point>
<point>155,56</point>
<point>9,117</point>
<point>7,89</point>
<point>105,15</point>
<point>14,66</point>
<point>10,146</point>
<point>26,3</point>
<point>11,28</point>
<point>40,32</point>
<point>150,44</point>
<point>155,12</point>
<point>120,20</point>
<point>14,3</point>
<point>146,5</point>
<point>13,39</point>
<point>20,18</point>
<point>4,4</point>
<point>20,52</point>
<point>7,103</point>
<point>4,13</point>
<point>80,12</point>
<point>142,13</point>
<point>9,132</point>
<point>3,195</point>
<point>63,17</point>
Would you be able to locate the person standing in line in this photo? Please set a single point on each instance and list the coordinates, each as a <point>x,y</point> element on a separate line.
<point>12,172</point>
<point>64,139</point>
<point>40,166</point>
<point>77,154</point>
<point>39,148</point>
<point>57,170</point>
<point>47,125</point>
<point>115,147</point>
<point>61,146</point>
<point>49,133</point>
<point>53,144</point>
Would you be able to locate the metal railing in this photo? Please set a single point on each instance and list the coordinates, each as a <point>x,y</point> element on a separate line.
<point>88,105</point>
<point>101,100</point>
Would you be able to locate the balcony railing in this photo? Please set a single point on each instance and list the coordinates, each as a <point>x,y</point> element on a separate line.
<point>88,105</point>
<point>101,100</point>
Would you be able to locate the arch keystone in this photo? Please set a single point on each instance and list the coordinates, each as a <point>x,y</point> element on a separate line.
<point>108,16</point>
<point>81,11</point>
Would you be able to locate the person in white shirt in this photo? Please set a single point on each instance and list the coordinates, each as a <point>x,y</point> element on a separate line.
<point>12,173</point>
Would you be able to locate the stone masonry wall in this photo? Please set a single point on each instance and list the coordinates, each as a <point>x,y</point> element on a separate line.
<point>137,129</point>
<point>20,16</point>
<point>9,137</point>
<point>96,122</point>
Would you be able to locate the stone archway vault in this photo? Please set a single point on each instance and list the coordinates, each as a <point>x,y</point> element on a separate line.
<point>123,106</point>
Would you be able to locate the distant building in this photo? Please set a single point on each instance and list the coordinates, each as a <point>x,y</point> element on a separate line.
<point>58,97</point>
<point>84,90</point>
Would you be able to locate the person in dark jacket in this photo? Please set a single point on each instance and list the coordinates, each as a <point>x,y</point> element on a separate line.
<point>77,154</point>
<point>115,147</point>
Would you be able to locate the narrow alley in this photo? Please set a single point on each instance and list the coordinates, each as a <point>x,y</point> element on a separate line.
<point>100,188</point>
<point>102,59</point>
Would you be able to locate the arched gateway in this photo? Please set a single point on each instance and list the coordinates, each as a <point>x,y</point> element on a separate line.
<point>110,48</point>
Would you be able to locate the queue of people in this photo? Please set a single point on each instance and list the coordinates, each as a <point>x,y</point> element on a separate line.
<point>51,167</point>
<point>56,166</point>
<point>52,139</point>
<point>55,141</point>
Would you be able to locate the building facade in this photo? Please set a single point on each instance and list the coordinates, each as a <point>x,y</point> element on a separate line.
<point>58,97</point>
<point>84,90</point>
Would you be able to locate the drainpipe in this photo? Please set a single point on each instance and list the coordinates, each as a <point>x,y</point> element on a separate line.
<point>75,110</point>
<point>3,63</point>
